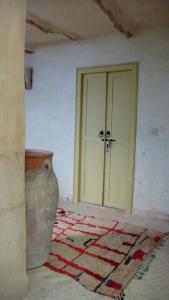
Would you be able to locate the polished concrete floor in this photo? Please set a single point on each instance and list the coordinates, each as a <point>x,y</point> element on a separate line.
<point>48,285</point>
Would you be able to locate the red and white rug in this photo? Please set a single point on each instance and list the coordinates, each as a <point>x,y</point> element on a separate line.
<point>103,255</point>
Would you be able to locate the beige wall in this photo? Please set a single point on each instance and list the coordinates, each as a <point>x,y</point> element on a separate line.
<point>13,279</point>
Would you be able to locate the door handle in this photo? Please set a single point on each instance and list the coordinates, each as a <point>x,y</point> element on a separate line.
<point>108,140</point>
<point>105,140</point>
<point>108,143</point>
<point>108,133</point>
<point>101,133</point>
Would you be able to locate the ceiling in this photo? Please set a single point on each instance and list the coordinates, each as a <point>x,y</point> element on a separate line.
<point>57,21</point>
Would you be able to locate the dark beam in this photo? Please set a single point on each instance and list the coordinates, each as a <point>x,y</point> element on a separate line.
<point>29,52</point>
<point>49,28</point>
<point>111,16</point>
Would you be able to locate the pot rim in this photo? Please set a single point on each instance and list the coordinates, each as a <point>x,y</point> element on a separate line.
<point>38,153</point>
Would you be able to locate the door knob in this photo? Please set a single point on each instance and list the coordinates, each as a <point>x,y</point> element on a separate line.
<point>108,133</point>
<point>101,133</point>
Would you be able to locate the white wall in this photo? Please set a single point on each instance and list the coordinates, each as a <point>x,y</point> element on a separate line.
<point>50,107</point>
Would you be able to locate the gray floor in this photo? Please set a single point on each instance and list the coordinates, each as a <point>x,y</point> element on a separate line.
<point>48,285</point>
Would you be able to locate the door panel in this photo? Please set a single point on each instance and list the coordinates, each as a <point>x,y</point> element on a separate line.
<point>92,155</point>
<point>118,122</point>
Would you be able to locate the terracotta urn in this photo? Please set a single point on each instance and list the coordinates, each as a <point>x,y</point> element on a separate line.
<point>42,196</point>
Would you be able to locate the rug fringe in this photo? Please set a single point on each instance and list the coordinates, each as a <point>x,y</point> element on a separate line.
<point>120,296</point>
<point>150,257</point>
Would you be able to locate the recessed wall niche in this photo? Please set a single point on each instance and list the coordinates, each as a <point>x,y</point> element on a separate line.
<point>28,77</point>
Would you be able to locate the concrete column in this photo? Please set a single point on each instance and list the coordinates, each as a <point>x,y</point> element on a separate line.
<point>13,279</point>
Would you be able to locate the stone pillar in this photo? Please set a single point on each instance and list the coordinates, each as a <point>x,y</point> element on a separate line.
<point>13,279</point>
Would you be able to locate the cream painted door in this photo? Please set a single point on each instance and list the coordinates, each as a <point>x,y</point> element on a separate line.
<point>92,147</point>
<point>106,167</point>
<point>116,179</point>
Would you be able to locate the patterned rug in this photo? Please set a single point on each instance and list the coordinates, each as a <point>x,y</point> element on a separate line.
<point>103,255</point>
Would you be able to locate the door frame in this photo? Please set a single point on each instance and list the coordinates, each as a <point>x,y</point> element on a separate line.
<point>78,126</point>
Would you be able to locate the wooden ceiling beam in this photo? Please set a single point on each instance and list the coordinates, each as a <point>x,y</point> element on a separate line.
<point>115,17</point>
<point>48,28</point>
<point>38,26</point>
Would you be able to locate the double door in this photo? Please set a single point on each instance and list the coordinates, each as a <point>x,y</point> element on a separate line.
<point>106,138</point>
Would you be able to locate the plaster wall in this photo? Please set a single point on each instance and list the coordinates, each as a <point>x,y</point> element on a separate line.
<point>50,108</point>
<point>13,279</point>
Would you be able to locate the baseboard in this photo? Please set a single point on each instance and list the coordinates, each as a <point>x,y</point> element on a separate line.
<point>150,214</point>
<point>65,198</point>
<point>153,214</point>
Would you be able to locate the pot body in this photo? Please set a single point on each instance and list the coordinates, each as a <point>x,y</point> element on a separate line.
<point>42,196</point>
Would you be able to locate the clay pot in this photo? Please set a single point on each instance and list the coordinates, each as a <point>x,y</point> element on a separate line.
<point>42,195</point>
